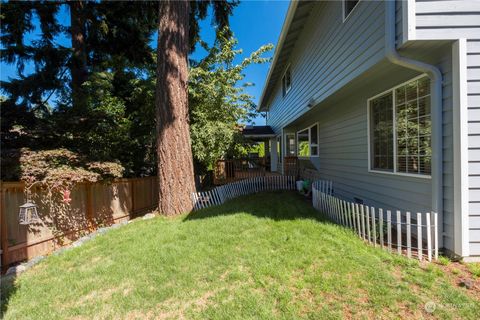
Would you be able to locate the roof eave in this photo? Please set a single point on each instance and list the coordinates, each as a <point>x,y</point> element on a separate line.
<point>286,26</point>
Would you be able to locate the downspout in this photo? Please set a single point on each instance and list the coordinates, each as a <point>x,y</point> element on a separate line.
<point>436,111</point>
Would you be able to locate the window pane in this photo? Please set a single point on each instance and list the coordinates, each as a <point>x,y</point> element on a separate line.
<point>423,87</point>
<point>349,5</point>
<point>288,80</point>
<point>314,134</point>
<point>302,142</point>
<point>411,91</point>
<point>290,144</point>
<point>400,95</point>
<point>381,113</point>
<point>413,129</point>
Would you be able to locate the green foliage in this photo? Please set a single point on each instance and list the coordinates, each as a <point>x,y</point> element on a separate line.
<point>474,269</point>
<point>217,101</point>
<point>444,260</point>
<point>61,169</point>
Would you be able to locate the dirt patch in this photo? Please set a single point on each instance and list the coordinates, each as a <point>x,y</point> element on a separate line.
<point>458,273</point>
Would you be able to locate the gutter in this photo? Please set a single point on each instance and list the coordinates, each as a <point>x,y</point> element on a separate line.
<point>286,26</point>
<point>436,111</point>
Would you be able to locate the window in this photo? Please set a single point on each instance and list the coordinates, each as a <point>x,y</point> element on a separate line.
<point>286,81</point>
<point>348,6</point>
<point>307,142</point>
<point>400,129</point>
<point>290,144</point>
<point>279,148</point>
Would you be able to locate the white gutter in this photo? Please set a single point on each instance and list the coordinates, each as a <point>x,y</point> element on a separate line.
<point>286,26</point>
<point>436,110</point>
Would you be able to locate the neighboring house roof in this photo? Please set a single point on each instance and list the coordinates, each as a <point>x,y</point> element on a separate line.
<point>297,14</point>
<point>258,132</point>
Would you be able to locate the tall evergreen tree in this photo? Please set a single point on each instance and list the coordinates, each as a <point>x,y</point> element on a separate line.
<point>178,32</point>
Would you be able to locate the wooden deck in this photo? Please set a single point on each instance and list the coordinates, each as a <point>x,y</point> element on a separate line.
<point>227,171</point>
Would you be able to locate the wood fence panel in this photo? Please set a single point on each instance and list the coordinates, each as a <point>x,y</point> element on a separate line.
<point>62,223</point>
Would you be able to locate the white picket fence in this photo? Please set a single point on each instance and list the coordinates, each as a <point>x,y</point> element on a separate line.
<point>220,194</point>
<point>377,227</point>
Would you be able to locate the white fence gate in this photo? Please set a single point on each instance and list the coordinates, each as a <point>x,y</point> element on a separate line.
<point>219,195</point>
<point>406,233</point>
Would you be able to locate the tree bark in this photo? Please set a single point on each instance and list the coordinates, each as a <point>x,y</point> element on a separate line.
<point>175,162</point>
<point>78,66</point>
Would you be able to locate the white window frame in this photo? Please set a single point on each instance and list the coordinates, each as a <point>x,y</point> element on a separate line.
<point>309,142</point>
<point>395,173</point>
<point>350,13</point>
<point>287,89</point>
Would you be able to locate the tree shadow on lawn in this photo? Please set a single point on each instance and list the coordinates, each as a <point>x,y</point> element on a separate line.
<point>280,205</point>
<point>7,289</point>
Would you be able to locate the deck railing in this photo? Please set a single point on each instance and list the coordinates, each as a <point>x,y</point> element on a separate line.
<point>227,171</point>
<point>220,194</point>
<point>412,235</point>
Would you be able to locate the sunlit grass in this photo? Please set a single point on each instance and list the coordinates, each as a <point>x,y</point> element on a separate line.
<point>263,256</point>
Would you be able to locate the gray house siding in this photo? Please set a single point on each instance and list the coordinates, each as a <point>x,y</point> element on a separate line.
<point>473,102</point>
<point>454,20</point>
<point>329,53</point>
<point>343,157</point>
<point>447,19</point>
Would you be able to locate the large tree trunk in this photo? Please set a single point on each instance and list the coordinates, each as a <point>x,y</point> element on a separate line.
<point>175,162</point>
<point>78,66</point>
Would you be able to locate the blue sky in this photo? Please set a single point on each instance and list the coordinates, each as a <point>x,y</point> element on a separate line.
<point>254,24</point>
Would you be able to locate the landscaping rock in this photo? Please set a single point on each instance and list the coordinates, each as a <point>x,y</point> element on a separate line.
<point>467,283</point>
<point>148,216</point>
<point>34,261</point>
<point>16,270</point>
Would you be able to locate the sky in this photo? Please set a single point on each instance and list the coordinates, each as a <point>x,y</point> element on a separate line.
<point>254,23</point>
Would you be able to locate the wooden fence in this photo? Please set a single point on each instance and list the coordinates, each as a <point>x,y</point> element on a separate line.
<point>93,205</point>
<point>220,194</point>
<point>406,233</point>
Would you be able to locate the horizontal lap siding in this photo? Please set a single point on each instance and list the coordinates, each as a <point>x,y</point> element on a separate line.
<point>453,20</point>
<point>328,54</point>
<point>344,159</point>
<point>447,19</point>
<point>473,102</point>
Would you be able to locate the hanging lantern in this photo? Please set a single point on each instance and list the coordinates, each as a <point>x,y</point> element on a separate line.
<point>28,213</point>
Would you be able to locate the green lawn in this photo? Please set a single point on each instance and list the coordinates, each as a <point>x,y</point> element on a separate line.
<point>264,256</point>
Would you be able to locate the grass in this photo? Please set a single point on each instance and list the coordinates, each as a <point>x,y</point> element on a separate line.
<point>260,257</point>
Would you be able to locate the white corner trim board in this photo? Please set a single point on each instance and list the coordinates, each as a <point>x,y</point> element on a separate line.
<point>409,25</point>
<point>460,148</point>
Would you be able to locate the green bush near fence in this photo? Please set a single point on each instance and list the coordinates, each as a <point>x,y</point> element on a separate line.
<point>268,255</point>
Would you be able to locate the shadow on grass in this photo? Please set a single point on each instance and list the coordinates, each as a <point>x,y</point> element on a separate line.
<point>281,205</point>
<point>7,289</point>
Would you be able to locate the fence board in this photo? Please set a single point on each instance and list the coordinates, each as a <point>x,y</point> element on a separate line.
<point>92,204</point>
<point>362,219</point>
<point>409,235</point>
<point>419,236</point>
<point>399,232</point>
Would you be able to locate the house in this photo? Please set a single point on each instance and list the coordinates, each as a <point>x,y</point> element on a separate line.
<point>383,98</point>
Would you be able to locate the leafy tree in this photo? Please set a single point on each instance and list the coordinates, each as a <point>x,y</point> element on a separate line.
<point>217,101</point>
<point>105,72</point>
